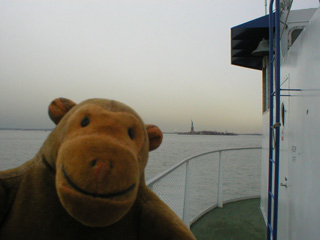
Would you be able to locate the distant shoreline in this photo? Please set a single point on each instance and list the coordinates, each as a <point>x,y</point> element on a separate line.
<point>26,129</point>
<point>201,133</point>
<point>208,133</point>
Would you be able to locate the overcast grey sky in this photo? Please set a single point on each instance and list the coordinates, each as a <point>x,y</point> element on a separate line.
<point>169,60</point>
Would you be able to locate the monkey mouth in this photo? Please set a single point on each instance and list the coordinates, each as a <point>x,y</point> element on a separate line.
<point>96,195</point>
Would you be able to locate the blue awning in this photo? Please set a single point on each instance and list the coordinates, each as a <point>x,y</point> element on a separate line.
<point>245,39</point>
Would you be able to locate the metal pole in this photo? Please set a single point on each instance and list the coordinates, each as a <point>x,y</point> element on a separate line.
<point>277,145</point>
<point>271,64</point>
<point>186,202</point>
<point>220,196</point>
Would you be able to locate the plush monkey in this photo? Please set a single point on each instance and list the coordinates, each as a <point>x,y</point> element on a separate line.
<point>87,180</point>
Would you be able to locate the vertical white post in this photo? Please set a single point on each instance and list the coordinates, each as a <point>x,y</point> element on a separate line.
<point>186,208</point>
<point>266,7</point>
<point>220,196</point>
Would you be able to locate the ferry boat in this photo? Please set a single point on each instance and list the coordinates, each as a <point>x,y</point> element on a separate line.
<point>285,46</point>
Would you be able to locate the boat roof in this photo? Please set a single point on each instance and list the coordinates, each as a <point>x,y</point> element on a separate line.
<point>245,38</point>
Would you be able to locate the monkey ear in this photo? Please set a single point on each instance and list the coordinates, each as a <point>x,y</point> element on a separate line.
<point>155,136</point>
<point>58,108</point>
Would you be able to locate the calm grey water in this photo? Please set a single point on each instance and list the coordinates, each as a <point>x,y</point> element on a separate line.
<point>241,169</point>
<point>16,147</point>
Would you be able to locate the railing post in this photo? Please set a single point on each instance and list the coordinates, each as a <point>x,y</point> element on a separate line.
<point>220,196</point>
<point>186,202</point>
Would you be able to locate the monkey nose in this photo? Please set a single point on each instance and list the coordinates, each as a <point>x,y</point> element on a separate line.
<point>99,165</point>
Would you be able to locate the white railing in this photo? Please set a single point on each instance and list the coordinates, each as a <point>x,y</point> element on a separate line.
<point>200,183</point>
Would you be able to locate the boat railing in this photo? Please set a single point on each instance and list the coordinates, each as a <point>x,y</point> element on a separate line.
<point>202,182</point>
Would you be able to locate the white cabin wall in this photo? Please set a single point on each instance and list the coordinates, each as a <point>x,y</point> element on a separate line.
<point>283,201</point>
<point>302,65</point>
<point>296,19</point>
<point>299,211</point>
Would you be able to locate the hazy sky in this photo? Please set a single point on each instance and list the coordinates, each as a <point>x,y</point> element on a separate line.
<point>169,60</point>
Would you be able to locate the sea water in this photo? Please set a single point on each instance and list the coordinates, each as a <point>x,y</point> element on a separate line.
<point>241,169</point>
<point>18,146</point>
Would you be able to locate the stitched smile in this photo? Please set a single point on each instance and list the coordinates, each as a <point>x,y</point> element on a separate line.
<point>109,195</point>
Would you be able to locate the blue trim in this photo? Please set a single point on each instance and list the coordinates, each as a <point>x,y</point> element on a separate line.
<point>245,39</point>
<point>261,22</point>
<point>277,147</point>
<point>273,196</point>
<point>270,188</point>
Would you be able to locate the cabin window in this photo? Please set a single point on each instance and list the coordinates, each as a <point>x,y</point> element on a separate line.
<point>265,84</point>
<point>283,110</point>
<point>294,34</point>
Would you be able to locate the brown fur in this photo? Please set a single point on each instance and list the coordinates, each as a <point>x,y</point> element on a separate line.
<point>87,180</point>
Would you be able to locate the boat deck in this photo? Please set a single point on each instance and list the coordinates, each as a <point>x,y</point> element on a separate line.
<point>237,220</point>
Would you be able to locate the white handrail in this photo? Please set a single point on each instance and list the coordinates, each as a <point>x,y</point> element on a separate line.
<point>219,200</point>
<point>186,198</point>
<point>151,181</point>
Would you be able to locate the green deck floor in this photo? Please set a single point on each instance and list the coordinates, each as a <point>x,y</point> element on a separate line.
<point>235,221</point>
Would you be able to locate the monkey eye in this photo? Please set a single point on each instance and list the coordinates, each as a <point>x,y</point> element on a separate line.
<point>131,133</point>
<point>85,122</point>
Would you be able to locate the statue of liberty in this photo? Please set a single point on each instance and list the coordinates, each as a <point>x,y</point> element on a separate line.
<point>192,128</point>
